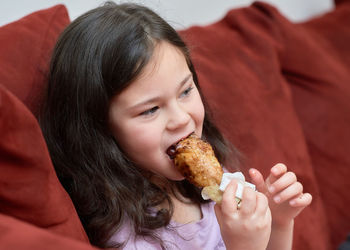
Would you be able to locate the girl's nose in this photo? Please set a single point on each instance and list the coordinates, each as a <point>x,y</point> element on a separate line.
<point>178,117</point>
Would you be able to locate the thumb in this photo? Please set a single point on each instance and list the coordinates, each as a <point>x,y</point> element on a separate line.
<point>217,210</point>
<point>258,180</point>
<point>218,213</point>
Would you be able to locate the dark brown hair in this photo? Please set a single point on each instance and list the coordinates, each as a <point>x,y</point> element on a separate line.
<point>96,57</point>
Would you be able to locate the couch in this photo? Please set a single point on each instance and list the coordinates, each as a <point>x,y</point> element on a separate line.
<point>279,91</point>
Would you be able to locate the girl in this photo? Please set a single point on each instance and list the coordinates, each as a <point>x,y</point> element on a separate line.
<point>122,90</point>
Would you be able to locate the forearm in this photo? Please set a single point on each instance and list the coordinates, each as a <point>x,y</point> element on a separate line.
<point>281,237</point>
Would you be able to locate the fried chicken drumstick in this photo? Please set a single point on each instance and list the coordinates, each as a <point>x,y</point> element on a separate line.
<point>196,161</point>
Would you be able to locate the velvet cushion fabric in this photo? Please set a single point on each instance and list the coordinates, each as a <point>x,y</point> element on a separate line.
<point>17,234</point>
<point>25,51</point>
<point>29,188</point>
<point>320,82</point>
<point>238,60</point>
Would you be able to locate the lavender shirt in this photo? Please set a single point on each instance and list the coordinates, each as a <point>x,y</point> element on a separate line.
<point>203,234</point>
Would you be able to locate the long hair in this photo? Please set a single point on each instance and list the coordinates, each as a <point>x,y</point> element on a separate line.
<point>95,58</point>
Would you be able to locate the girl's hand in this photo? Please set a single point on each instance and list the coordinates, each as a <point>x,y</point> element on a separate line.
<point>249,226</point>
<point>284,192</point>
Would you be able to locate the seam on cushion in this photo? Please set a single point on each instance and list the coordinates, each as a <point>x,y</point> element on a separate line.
<point>54,16</point>
<point>271,17</point>
<point>274,15</point>
<point>41,70</point>
<point>49,27</point>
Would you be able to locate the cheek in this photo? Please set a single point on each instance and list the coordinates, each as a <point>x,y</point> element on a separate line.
<point>138,141</point>
<point>145,136</point>
<point>198,110</point>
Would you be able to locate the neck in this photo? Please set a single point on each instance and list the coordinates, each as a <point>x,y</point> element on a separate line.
<point>185,210</point>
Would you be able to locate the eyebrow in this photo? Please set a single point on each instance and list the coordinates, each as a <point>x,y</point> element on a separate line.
<point>153,99</point>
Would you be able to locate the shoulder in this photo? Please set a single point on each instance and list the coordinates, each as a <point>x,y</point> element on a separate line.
<point>203,234</point>
<point>127,237</point>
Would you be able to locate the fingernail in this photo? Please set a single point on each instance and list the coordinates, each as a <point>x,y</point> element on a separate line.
<point>292,202</point>
<point>275,170</point>
<point>252,170</point>
<point>271,189</point>
<point>277,199</point>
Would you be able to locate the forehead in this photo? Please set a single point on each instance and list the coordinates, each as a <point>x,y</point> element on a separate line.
<point>166,68</point>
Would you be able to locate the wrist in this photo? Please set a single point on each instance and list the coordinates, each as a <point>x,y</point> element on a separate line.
<point>284,226</point>
<point>281,236</point>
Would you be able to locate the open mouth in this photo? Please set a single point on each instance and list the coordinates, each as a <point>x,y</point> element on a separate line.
<point>171,151</point>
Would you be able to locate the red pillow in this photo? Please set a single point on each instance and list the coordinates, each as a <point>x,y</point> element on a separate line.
<point>29,188</point>
<point>238,65</point>
<point>25,49</point>
<point>17,234</point>
<point>320,82</point>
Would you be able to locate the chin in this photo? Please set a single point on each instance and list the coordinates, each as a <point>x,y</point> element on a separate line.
<point>180,178</point>
<point>175,176</point>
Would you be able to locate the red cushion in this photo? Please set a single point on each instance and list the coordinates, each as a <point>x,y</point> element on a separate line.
<point>16,234</point>
<point>29,188</point>
<point>341,1</point>
<point>320,82</point>
<point>239,69</point>
<point>25,49</point>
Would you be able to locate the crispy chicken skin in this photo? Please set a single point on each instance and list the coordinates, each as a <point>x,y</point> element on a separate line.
<point>196,160</point>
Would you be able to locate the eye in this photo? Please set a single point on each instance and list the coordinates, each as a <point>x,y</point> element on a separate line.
<point>186,92</point>
<point>150,111</point>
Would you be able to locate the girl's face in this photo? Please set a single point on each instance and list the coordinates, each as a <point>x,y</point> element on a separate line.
<point>155,111</point>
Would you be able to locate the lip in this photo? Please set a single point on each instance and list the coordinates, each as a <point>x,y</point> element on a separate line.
<point>170,151</point>
<point>183,138</point>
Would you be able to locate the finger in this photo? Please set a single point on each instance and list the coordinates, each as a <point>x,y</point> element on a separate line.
<point>276,172</point>
<point>258,180</point>
<point>281,183</point>
<point>248,203</point>
<point>302,201</point>
<point>262,203</point>
<point>228,203</point>
<point>292,191</point>
<point>218,212</point>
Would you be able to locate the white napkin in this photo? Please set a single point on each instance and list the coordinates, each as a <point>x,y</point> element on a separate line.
<point>227,177</point>
<point>225,180</point>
